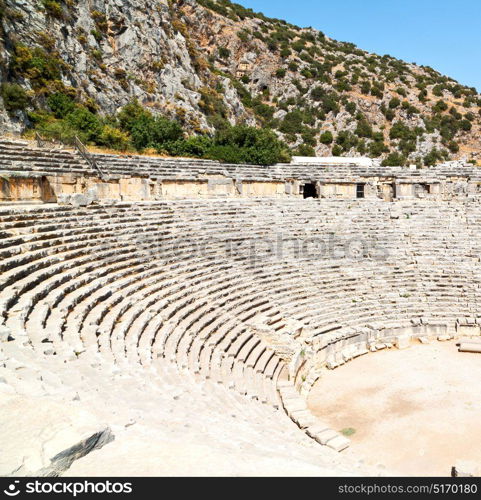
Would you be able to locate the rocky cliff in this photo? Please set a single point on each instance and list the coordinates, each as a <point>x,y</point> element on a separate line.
<point>207,62</point>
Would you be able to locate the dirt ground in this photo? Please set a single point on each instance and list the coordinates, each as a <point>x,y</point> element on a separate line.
<point>416,411</point>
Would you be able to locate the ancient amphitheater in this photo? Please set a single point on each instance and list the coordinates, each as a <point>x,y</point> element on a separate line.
<point>170,317</point>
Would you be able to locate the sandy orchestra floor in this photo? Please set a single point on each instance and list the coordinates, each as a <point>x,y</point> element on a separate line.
<point>416,411</point>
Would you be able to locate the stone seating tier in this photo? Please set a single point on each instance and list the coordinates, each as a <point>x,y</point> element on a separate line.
<point>22,157</point>
<point>197,299</point>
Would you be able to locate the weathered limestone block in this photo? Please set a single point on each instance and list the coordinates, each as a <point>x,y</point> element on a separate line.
<point>45,436</point>
<point>184,189</point>
<point>470,347</point>
<point>134,189</point>
<point>402,341</point>
<point>221,186</point>
<point>468,330</point>
<point>256,188</point>
<point>76,199</point>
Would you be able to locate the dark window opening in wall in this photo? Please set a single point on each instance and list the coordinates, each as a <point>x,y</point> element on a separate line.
<point>359,190</point>
<point>422,189</point>
<point>310,191</point>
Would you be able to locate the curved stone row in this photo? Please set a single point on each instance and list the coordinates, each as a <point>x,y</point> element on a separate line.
<point>21,156</point>
<point>254,296</point>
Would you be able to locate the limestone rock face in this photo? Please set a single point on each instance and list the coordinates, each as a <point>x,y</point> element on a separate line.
<point>139,54</point>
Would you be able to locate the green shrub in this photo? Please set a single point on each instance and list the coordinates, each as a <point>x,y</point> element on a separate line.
<point>53,8</point>
<point>263,111</point>
<point>329,103</point>
<point>293,67</point>
<point>365,88</point>
<point>466,125</point>
<point>86,123</point>
<point>394,103</point>
<point>394,160</point>
<point>195,147</point>
<point>423,95</point>
<point>114,138</point>
<point>400,130</point>
<point>97,35</point>
<point>432,158</point>
<point>377,148</point>
<point>351,107</point>
<point>292,122</point>
<point>14,97</point>
<point>100,20</point>
<point>407,146</point>
<point>440,106</point>
<point>342,86</point>
<point>326,137</point>
<point>337,150</point>
<point>58,130</point>
<point>305,150</point>
<point>243,36</point>
<point>363,129</point>
<point>242,144</point>
<point>148,131</point>
<point>317,93</point>
<point>129,114</point>
<point>272,45</point>
<point>361,147</point>
<point>346,140</point>
<point>60,104</point>
<point>409,108</point>
<point>309,137</point>
<point>298,46</point>
<point>37,65</point>
<point>258,35</point>
<point>211,102</point>
<point>224,52</point>
<point>453,146</point>
<point>389,114</point>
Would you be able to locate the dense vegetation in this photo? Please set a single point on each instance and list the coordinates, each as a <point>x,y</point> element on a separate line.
<point>136,128</point>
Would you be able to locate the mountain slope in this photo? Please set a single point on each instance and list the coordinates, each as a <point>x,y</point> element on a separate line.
<point>208,62</point>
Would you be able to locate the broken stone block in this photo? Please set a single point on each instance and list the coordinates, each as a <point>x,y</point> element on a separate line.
<point>470,347</point>
<point>339,443</point>
<point>64,433</point>
<point>444,338</point>
<point>402,341</point>
<point>465,468</point>
<point>325,436</point>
